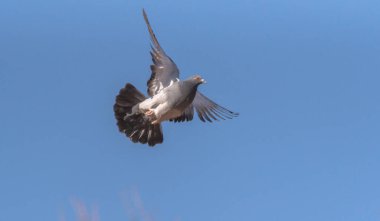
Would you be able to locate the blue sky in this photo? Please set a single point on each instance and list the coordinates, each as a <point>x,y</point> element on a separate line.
<point>304,76</point>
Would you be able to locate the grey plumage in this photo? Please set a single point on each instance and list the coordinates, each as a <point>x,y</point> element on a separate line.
<point>170,100</point>
<point>164,70</point>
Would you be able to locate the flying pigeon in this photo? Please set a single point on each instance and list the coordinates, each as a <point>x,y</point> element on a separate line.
<point>170,99</point>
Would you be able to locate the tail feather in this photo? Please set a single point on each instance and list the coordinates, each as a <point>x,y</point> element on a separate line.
<point>136,126</point>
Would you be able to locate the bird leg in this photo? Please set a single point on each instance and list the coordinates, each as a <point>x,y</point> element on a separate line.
<point>159,111</point>
<point>145,105</point>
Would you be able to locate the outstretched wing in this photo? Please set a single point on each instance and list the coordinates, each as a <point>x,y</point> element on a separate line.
<point>206,109</point>
<point>164,70</point>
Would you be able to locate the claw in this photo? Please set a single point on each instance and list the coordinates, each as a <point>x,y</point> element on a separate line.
<point>155,122</point>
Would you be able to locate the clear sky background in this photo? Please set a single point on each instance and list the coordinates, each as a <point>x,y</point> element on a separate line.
<point>304,76</point>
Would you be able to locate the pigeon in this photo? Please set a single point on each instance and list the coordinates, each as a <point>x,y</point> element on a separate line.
<point>170,99</point>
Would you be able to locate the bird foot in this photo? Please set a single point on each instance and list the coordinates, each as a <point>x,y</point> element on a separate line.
<point>152,116</point>
<point>150,112</point>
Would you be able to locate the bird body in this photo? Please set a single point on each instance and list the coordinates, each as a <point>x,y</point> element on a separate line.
<point>170,100</point>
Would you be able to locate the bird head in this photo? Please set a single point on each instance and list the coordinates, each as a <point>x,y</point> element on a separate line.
<point>198,79</point>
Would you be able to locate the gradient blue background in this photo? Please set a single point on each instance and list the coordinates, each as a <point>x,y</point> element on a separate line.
<point>304,76</point>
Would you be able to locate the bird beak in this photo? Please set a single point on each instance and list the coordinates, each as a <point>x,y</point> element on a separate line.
<point>203,81</point>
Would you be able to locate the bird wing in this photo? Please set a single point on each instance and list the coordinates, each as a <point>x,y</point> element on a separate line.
<point>206,109</point>
<point>164,70</point>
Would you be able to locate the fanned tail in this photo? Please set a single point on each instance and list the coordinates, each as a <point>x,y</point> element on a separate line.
<point>135,125</point>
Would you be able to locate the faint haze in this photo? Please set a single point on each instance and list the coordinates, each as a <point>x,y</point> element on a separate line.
<point>303,74</point>
<point>133,205</point>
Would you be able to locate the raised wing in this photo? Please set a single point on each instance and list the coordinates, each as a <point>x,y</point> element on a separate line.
<point>206,109</point>
<point>164,70</point>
